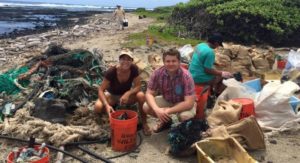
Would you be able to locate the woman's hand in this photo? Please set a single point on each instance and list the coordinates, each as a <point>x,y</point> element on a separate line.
<point>109,110</point>
<point>125,98</point>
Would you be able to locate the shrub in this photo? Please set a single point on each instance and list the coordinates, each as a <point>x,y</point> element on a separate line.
<point>276,22</point>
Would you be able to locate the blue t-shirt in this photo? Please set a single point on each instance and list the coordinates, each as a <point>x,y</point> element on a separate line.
<point>203,57</point>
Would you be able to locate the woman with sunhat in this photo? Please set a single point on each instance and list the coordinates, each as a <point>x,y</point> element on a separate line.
<point>122,85</point>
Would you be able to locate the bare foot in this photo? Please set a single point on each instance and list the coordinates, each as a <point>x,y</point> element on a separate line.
<point>146,130</point>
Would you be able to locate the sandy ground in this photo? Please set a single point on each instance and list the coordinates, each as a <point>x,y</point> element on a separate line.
<point>281,148</point>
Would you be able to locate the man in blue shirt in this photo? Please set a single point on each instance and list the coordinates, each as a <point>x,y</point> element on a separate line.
<point>202,64</point>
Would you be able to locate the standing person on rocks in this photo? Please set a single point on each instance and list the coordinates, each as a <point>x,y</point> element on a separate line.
<point>119,16</point>
<point>122,85</point>
<point>201,65</point>
<point>176,87</point>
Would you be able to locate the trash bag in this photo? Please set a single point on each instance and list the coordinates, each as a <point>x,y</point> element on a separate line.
<point>186,53</point>
<point>272,108</point>
<point>291,72</point>
<point>182,136</point>
<point>236,89</point>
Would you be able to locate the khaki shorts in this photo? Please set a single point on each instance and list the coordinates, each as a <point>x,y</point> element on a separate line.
<point>161,102</point>
<point>116,100</point>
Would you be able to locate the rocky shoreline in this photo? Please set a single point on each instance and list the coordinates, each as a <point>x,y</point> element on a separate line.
<point>21,21</point>
<point>14,51</point>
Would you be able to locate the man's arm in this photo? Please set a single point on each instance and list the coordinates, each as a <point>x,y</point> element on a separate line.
<point>185,105</point>
<point>150,99</point>
<point>160,113</point>
<point>213,71</point>
<point>114,14</point>
<point>123,13</point>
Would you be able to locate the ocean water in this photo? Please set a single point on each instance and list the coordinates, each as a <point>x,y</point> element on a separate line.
<point>69,7</point>
<point>9,26</point>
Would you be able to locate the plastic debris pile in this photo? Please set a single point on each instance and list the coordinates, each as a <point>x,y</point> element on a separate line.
<point>58,86</point>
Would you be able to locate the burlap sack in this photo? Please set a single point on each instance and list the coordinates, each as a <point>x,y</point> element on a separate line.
<point>261,64</point>
<point>247,131</point>
<point>224,113</point>
<point>155,61</point>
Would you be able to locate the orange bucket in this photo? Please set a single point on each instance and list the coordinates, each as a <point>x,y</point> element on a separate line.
<point>11,156</point>
<point>201,101</point>
<point>247,107</point>
<point>123,132</point>
<point>184,65</point>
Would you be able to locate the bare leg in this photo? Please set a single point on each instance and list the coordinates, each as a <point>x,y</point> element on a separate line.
<point>99,107</point>
<point>140,98</point>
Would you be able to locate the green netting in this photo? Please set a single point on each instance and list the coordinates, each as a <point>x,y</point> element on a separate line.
<point>79,56</point>
<point>7,80</point>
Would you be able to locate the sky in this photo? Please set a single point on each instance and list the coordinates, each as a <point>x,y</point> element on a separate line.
<point>125,3</point>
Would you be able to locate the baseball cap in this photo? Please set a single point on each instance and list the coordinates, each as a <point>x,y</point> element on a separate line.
<point>126,52</point>
<point>216,38</point>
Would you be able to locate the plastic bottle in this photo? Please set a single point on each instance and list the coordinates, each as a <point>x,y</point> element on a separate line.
<point>40,153</point>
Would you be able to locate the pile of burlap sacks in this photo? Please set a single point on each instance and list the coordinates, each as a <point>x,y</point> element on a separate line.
<point>247,60</point>
<point>233,58</point>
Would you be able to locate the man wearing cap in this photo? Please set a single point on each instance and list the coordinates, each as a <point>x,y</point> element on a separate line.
<point>122,86</point>
<point>119,15</point>
<point>201,65</point>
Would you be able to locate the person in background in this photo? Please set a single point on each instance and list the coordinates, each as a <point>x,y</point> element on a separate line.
<point>119,16</point>
<point>122,85</point>
<point>176,88</point>
<point>202,65</point>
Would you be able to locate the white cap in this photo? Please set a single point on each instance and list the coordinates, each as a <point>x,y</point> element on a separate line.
<point>126,52</point>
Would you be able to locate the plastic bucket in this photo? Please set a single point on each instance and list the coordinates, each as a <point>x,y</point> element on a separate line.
<point>281,64</point>
<point>184,65</point>
<point>11,157</point>
<point>247,107</point>
<point>201,101</point>
<point>123,132</point>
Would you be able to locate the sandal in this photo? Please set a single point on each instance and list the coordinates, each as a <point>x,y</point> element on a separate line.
<point>147,131</point>
<point>162,126</point>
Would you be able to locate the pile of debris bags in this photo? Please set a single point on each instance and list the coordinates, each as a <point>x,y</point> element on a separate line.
<point>224,122</point>
<point>238,58</point>
<point>39,95</point>
<point>273,110</point>
<point>272,113</point>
